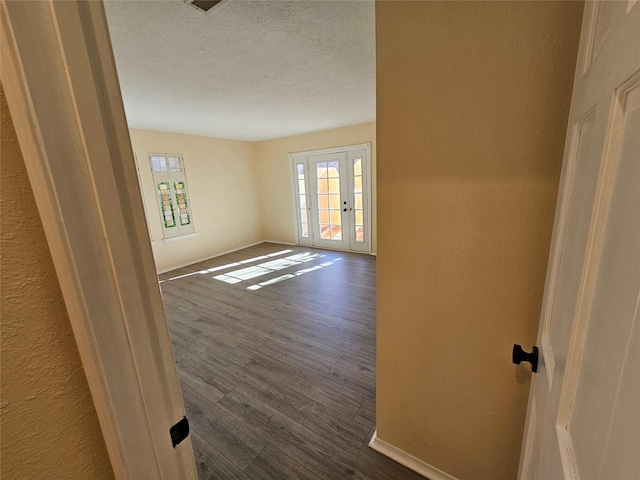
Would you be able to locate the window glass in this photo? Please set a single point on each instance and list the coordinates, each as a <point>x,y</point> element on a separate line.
<point>173,199</point>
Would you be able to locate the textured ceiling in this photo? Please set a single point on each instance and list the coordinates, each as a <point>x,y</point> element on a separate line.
<point>247,70</point>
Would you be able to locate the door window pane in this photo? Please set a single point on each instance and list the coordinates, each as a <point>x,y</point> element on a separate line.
<point>358,208</point>
<point>357,187</point>
<point>304,223</point>
<point>357,167</point>
<point>358,201</point>
<point>329,207</point>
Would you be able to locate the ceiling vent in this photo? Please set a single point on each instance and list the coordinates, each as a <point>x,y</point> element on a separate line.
<point>204,5</point>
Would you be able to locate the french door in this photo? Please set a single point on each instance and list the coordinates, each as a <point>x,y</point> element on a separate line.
<point>332,198</point>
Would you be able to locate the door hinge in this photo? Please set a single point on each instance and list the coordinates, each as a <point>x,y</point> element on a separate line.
<point>179,431</point>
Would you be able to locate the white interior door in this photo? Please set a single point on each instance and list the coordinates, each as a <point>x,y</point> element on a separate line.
<point>583,419</point>
<point>331,198</point>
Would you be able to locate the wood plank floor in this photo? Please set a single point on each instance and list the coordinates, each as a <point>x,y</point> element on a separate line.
<point>275,349</point>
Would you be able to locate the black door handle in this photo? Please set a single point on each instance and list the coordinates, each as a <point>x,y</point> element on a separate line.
<point>520,355</point>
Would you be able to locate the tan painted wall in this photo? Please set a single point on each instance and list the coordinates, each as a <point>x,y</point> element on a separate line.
<point>275,181</point>
<point>49,424</point>
<point>473,100</point>
<point>240,192</point>
<point>222,183</point>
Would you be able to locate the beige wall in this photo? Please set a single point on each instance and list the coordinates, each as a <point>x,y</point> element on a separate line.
<point>223,193</point>
<point>275,180</point>
<point>240,192</point>
<point>472,102</point>
<point>49,424</point>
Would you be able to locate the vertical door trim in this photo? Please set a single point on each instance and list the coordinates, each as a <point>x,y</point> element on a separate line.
<point>80,163</point>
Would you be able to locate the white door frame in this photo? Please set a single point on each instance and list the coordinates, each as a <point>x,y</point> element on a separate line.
<point>297,157</point>
<point>59,76</point>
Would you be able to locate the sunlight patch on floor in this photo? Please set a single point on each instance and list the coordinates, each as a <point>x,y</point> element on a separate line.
<point>267,267</point>
<point>229,265</point>
<point>289,275</point>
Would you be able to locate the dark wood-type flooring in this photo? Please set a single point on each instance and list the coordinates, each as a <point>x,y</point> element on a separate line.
<point>279,381</point>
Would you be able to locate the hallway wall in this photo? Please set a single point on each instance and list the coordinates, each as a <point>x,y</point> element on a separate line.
<point>49,424</point>
<point>473,100</point>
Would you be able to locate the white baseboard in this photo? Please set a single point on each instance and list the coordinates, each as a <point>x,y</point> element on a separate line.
<point>179,237</point>
<point>279,242</point>
<point>197,260</point>
<point>409,461</point>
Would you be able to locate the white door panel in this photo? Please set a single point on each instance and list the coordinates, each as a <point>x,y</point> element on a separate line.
<point>583,420</point>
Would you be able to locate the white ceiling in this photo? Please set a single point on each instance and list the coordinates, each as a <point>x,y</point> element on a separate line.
<point>247,70</point>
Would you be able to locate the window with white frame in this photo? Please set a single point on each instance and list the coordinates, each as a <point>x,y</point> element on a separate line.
<point>170,182</point>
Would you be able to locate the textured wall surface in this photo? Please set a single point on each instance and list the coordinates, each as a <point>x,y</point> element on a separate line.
<point>222,187</point>
<point>49,425</point>
<point>275,178</point>
<point>473,99</point>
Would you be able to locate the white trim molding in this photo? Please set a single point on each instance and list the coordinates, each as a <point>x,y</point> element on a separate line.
<point>59,76</point>
<point>219,254</point>
<point>179,237</point>
<point>409,461</point>
<point>346,148</point>
<point>531,430</point>
<point>279,242</point>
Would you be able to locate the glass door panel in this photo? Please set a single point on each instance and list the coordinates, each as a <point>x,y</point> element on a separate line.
<point>358,208</point>
<point>303,203</point>
<point>302,197</point>
<point>330,213</point>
